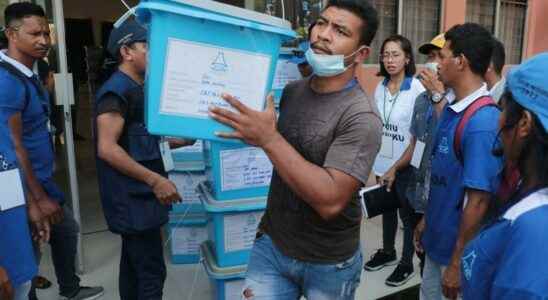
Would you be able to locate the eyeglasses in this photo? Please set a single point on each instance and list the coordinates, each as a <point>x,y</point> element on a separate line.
<point>393,55</point>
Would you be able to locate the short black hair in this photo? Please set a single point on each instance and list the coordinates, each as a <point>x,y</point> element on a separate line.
<point>365,11</point>
<point>498,57</point>
<point>405,44</point>
<point>474,42</point>
<point>21,10</point>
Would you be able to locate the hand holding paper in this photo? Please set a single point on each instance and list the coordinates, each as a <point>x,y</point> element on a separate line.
<point>256,128</point>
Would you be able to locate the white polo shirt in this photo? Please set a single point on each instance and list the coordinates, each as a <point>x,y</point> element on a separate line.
<point>396,113</point>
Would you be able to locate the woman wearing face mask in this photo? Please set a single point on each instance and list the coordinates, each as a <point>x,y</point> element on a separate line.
<point>395,97</point>
<point>507,259</point>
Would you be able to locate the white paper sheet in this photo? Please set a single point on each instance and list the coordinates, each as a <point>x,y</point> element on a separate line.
<point>187,240</point>
<point>244,168</point>
<point>286,72</point>
<point>165,151</point>
<point>196,148</point>
<point>417,154</point>
<point>240,230</point>
<point>197,74</point>
<point>186,183</point>
<point>11,190</point>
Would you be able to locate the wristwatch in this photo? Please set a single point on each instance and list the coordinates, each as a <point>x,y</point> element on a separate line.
<point>437,97</point>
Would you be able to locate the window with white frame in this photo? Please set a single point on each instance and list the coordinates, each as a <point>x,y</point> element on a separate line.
<point>417,20</point>
<point>505,19</point>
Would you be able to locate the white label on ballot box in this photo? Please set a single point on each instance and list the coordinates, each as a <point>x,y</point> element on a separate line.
<point>197,74</point>
<point>186,184</point>
<point>11,192</point>
<point>244,168</point>
<point>240,230</point>
<point>286,72</point>
<point>233,289</point>
<point>187,240</point>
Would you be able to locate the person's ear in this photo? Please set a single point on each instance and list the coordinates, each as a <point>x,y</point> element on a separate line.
<point>525,125</point>
<point>363,54</point>
<point>125,53</point>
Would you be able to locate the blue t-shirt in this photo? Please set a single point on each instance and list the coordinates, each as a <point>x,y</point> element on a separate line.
<point>479,170</point>
<point>507,260</point>
<point>16,252</point>
<point>34,114</point>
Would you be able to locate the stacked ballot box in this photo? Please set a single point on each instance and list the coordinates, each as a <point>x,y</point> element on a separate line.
<point>236,172</point>
<point>232,226</point>
<point>226,282</point>
<point>188,172</point>
<point>185,233</point>
<point>287,71</point>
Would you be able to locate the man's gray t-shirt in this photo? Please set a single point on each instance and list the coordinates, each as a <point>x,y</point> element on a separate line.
<point>342,131</point>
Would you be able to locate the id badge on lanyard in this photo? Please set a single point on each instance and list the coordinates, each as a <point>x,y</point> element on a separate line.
<point>12,193</point>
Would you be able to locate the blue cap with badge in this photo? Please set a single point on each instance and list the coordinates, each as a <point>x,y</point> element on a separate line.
<point>129,32</point>
<point>528,84</point>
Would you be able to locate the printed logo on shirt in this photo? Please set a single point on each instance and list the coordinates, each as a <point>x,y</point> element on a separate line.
<point>443,147</point>
<point>392,131</point>
<point>468,264</point>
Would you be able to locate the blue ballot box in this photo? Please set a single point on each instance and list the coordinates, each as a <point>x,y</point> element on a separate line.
<point>235,171</point>
<point>227,283</point>
<point>287,70</point>
<point>185,233</point>
<point>187,183</point>
<point>232,226</point>
<point>200,49</point>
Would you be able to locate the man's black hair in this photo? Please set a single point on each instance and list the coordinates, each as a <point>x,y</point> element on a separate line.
<point>365,11</point>
<point>19,11</point>
<point>474,42</point>
<point>405,44</point>
<point>498,57</point>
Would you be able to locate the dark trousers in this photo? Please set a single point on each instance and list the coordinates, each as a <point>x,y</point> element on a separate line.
<point>142,266</point>
<point>63,241</point>
<point>409,218</point>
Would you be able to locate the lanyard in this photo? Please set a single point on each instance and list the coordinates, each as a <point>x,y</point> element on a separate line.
<point>393,101</point>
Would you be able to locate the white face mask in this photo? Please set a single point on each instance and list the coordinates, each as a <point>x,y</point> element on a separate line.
<point>432,66</point>
<point>327,65</point>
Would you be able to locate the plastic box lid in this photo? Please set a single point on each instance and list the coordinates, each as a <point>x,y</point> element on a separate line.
<point>225,13</point>
<point>238,12</point>
<point>216,272</point>
<point>189,166</point>
<point>188,219</point>
<point>241,205</point>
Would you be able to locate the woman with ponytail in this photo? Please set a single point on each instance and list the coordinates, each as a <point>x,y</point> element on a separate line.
<point>507,260</point>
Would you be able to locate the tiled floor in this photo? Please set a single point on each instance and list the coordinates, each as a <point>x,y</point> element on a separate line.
<point>102,249</point>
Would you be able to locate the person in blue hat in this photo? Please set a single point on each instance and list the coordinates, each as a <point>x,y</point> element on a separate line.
<point>135,193</point>
<point>507,259</point>
<point>25,105</point>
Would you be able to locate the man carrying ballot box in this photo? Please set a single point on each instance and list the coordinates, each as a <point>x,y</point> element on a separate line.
<point>135,192</point>
<point>322,149</point>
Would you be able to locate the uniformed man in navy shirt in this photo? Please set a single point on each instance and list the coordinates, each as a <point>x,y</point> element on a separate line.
<point>135,192</point>
<point>25,104</point>
<point>461,185</point>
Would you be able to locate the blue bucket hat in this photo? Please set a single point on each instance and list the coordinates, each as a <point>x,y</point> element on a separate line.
<point>528,84</point>
<point>129,32</point>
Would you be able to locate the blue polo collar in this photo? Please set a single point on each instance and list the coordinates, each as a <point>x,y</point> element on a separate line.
<point>405,85</point>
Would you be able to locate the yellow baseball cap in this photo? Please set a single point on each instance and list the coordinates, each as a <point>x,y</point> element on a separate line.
<point>435,43</point>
